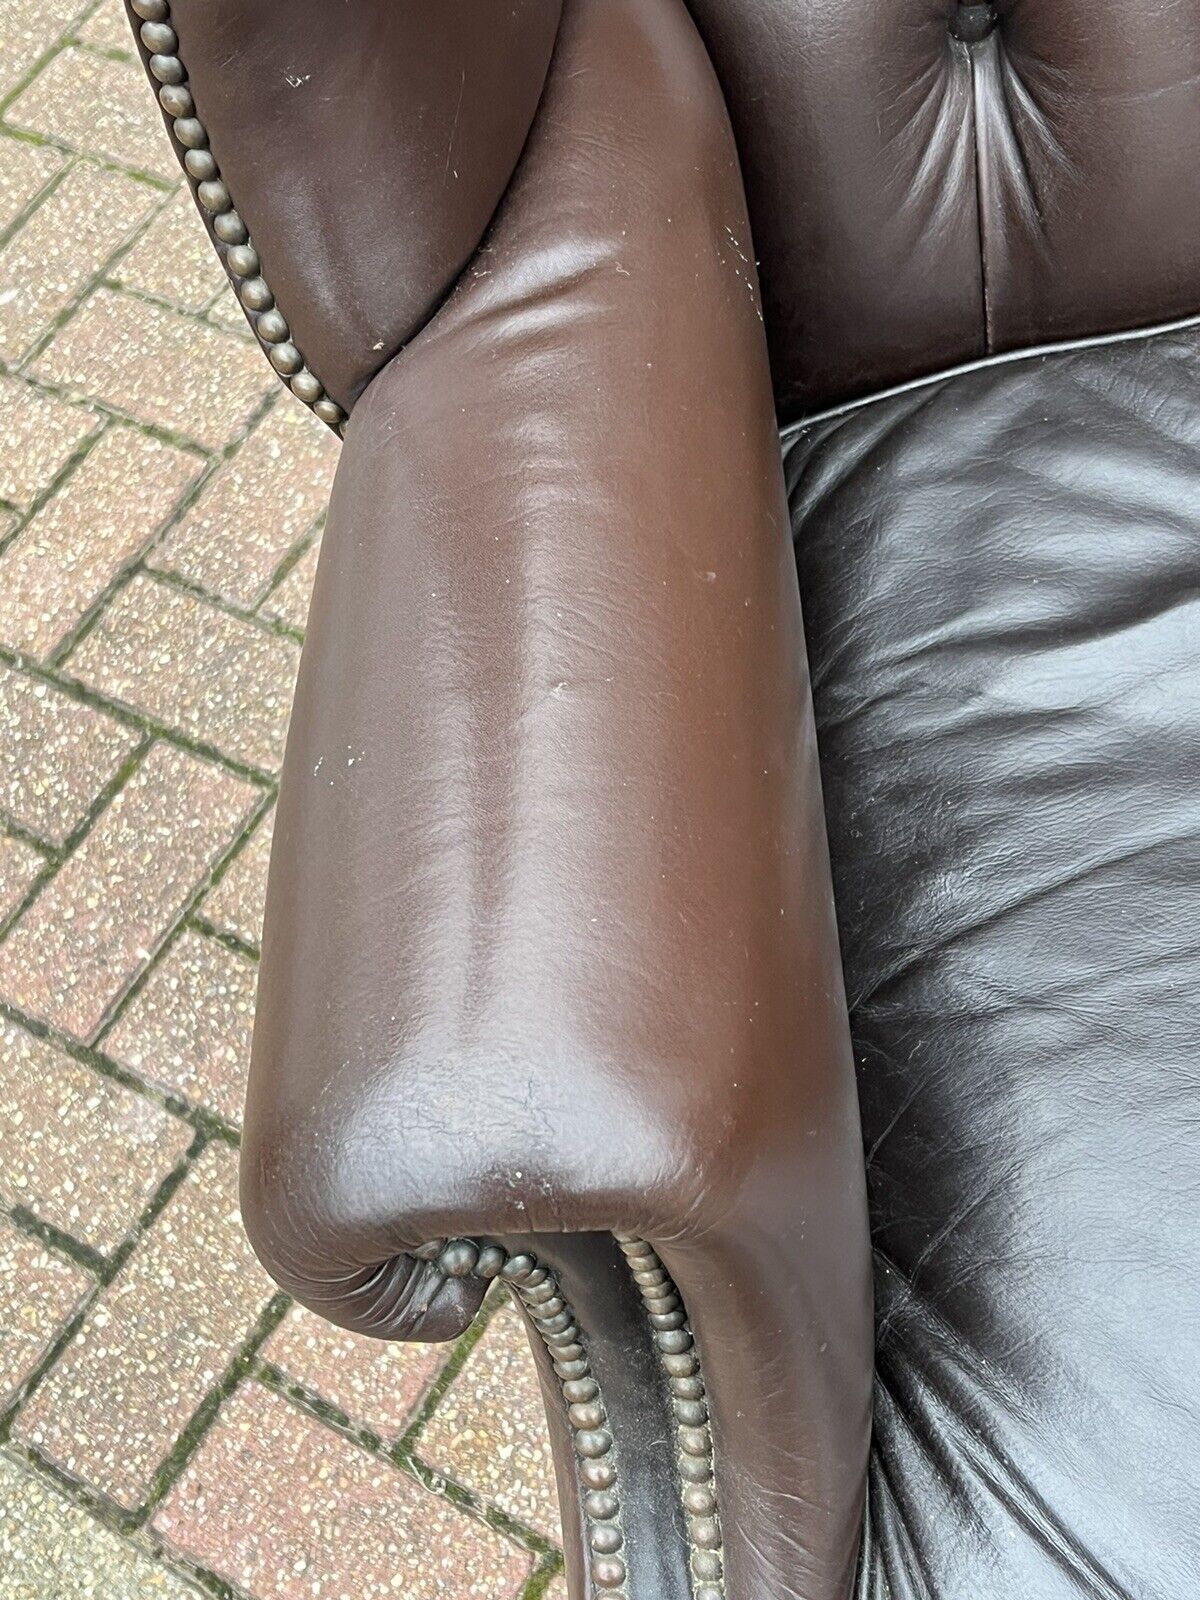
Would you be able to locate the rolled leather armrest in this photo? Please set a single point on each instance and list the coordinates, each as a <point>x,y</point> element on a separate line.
<point>550,951</point>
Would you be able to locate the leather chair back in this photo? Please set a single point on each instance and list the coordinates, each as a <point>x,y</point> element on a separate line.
<point>931,182</point>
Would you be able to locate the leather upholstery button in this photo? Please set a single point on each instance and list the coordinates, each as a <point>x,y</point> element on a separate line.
<point>972,22</point>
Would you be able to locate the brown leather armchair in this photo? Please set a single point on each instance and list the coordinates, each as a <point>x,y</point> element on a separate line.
<point>552,989</point>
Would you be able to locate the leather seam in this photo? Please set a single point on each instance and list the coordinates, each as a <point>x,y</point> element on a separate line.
<point>999,358</point>
<point>980,213</point>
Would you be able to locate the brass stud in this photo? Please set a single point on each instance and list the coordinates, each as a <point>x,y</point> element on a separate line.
<point>586,1415</point>
<point>167,69</point>
<point>592,1443</point>
<point>674,1342</point>
<point>307,387</point>
<point>230,228</point>
<point>707,1566</point>
<point>598,1474</point>
<point>159,38</point>
<point>149,10</point>
<point>256,295</point>
<point>213,195</point>
<point>242,260</point>
<point>176,100</point>
<point>542,1305</point>
<point>608,1571</point>
<point>458,1259</point>
<point>699,1499</point>
<point>191,132</point>
<point>561,1324</point>
<point>601,1505</point>
<point>705,1532</point>
<point>200,164</point>
<point>285,358</point>
<point>329,411</point>
<point>491,1257</point>
<point>272,327</point>
<point>580,1390</point>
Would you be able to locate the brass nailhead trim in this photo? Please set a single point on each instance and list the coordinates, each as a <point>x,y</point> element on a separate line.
<point>596,1465</point>
<point>693,1434</point>
<point>234,246</point>
<point>540,1294</point>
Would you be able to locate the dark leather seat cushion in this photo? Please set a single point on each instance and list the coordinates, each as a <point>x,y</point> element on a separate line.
<point>1000,572</point>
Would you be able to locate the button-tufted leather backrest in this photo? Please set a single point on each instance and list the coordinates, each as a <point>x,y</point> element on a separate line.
<point>929,181</point>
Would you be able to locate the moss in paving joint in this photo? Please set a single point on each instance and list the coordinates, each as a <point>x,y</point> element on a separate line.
<point>114,1519</point>
<point>323,1411</point>
<point>47,56</point>
<point>67,471</point>
<point>450,1369</point>
<point>105,52</point>
<point>215,460</point>
<point>198,1118</point>
<point>132,717</point>
<point>118,1007</point>
<point>105,1511</point>
<point>37,201</point>
<point>205,1414</point>
<point>292,559</point>
<point>467,1500</point>
<point>75,397</point>
<point>233,942</point>
<point>188,586</point>
<point>55,1239</point>
<point>543,1576</point>
<point>94,280</point>
<point>50,141</point>
<point>402,1455</point>
<point>56,859</point>
<point>12,828</point>
<point>44,874</point>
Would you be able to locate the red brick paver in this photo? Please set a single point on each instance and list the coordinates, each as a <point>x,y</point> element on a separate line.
<point>283,1507</point>
<point>176,372</point>
<point>193,667</point>
<point>78,947</point>
<point>106,512</point>
<point>39,1290</point>
<point>489,1432</point>
<point>20,865</point>
<point>169,1425</point>
<point>235,904</point>
<point>56,755</point>
<point>375,1384</point>
<point>188,1028</point>
<point>155,1343</point>
<point>77,1150</point>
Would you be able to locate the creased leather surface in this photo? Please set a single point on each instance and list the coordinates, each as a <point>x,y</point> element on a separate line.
<point>1000,577</point>
<point>549,940</point>
<point>367,144</point>
<point>917,202</point>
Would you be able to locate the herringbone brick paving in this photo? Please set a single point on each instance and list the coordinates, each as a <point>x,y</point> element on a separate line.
<point>169,1423</point>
